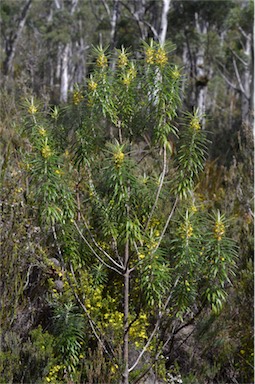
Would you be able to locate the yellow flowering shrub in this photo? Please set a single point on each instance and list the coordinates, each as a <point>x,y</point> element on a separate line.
<point>118,159</point>
<point>101,61</point>
<point>149,55</point>
<point>122,59</point>
<point>195,124</point>
<point>77,97</point>
<point>219,230</point>
<point>32,110</point>
<point>92,85</point>
<point>46,151</point>
<point>161,57</point>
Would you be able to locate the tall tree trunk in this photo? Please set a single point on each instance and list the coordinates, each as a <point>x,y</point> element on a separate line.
<point>200,68</point>
<point>11,43</point>
<point>126,318</point>
<point>164,21</point>
<point>64,74</point>
<point>246,86</point>
<point>65,67</point>
<point>113,22</point>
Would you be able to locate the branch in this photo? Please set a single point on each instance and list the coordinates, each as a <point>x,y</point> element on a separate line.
<point>239,78</point>
<point>238,57</point>
<point>94,252</point>
<point>226,79</point>
<point>162,176</point>
<point>166,225</point>
<point>28,275</point>
<point>121,266</point>
<point>91,322</point>
<point>243,33</point>
<point>106,8</point>
<point>155,328</point>
<point>153,30</point>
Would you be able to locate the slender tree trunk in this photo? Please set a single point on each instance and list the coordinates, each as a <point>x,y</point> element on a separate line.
<point>113,22</point>
<point>12,42</point>
<point>164,21</point>
<point>247,83</point>
<point>64,74</point>
<point>65,70</point>
<point>200,68</point>
<point>125,379</point>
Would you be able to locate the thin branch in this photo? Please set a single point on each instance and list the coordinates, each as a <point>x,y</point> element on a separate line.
<point>238,57</point>
<point>121,266</point>
<point>162,177</point>
<point>239,78</point>
<point>57,244</point>
<point>153,30</point>
<point>94,252</point>
<point>106,8</point>
<point>91,322</point>
<point>243,33</point>
<point>28,275</point>
<point>155,328</point>
<point>166,225</point>
<point>226,79</point>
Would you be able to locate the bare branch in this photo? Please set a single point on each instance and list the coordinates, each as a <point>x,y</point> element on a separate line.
<point>155,328</point>
<point>226,79</point>
<point>243,33</point>
<point>91,322</point>
<point>166,225</point>
<point>100,248</point>
<point>162,177</point>
<point>238,57</point>
<point>106,8</point>
<point>94,252</point>
<point>153,30</point>
<point>239,78</point>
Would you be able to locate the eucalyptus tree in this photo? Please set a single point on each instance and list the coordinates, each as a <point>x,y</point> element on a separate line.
<point>13,19</point>
<point>140,255</point>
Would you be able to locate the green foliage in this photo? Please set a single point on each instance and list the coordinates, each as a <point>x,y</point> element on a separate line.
<point>119,209</point>
<point>69,331</point>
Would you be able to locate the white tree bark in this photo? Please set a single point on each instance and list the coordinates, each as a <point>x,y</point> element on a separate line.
<point>164,21</point>
<point>64,74</point>
<point>65,61</point>
<point>157,25</point>
<point>201,74</point>
<point>11,43</point>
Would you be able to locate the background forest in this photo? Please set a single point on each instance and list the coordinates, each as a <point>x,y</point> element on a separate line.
<point>126,172</point>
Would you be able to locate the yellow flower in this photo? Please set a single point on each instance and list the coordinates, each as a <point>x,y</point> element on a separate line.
<point>194,208</point>
<point>46,151</point>
<point>186,230</point>
<point>176,74</point>
<point>77,97</point>
<point>32,109</point>
<point>194,124</point>
<point>122,59</point>
<point>161,57</point>
<point>42,131</point>
<point>102,61</point>
<point>92,85</point>
<point>141,255</point>
<point>132,71</point>
<point>58,172</point>
<point>118,159</point>
<point>149,55</point>
<point>126,80</point>
<point>219,230</point>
